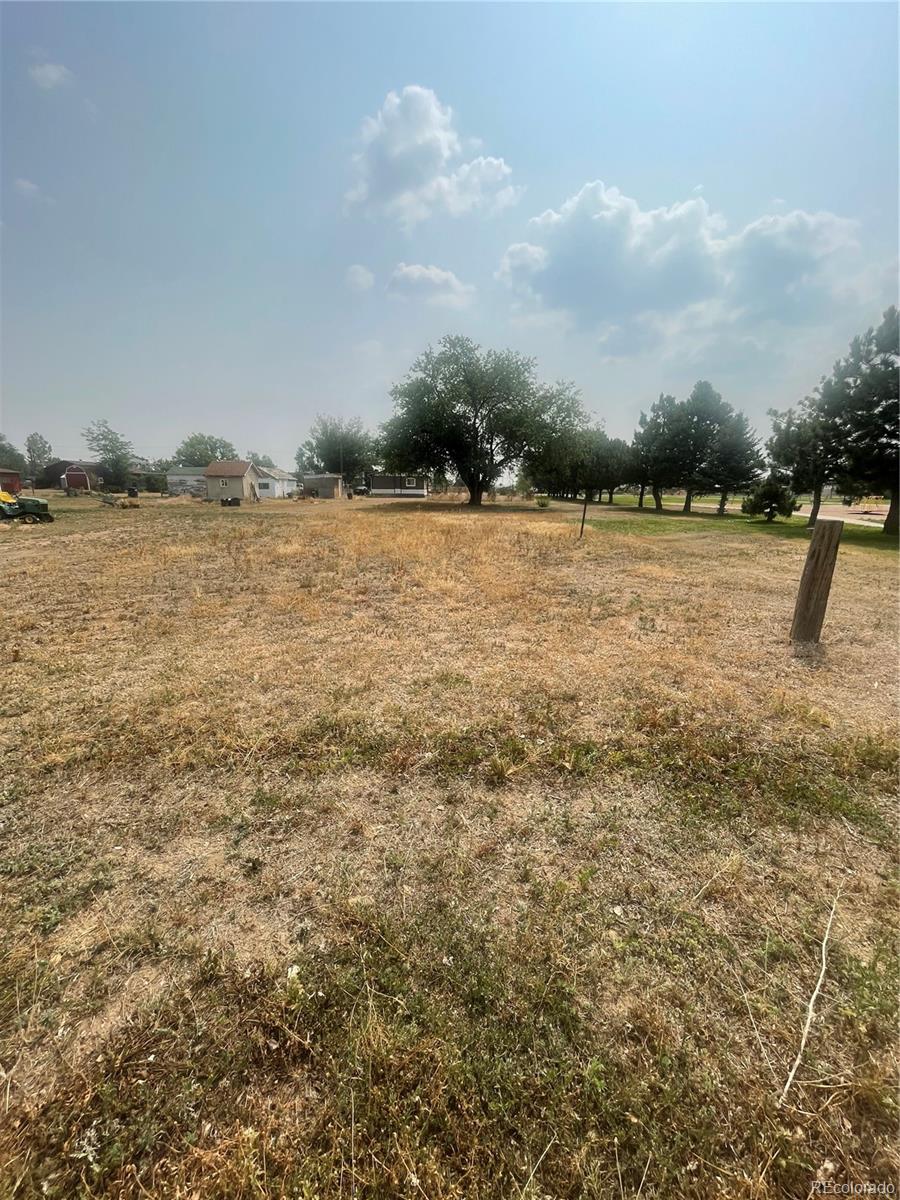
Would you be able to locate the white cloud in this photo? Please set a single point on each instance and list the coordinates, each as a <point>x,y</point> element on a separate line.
<point>359,278</point>
<point>410,163</point>
<point>31,191</point>
<point>48,75</point>
<point>638,278</point>
<point>433,285</point>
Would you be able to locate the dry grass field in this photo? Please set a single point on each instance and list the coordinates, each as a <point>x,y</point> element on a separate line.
<point>365,850</point>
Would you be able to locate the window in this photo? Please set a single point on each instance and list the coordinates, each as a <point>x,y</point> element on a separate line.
<point>410,481</point>
<point>263,485</point>
<point>223,483</point>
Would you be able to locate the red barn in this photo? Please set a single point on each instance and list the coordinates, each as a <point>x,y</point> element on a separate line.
<point>10,480</point>
<point>75,477</point>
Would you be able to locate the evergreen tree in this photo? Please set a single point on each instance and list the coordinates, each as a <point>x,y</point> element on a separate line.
<point>734,459</point>
<point>772,496</point>
<point>860,399</point>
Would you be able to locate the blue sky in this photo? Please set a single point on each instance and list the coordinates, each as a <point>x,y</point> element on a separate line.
<point>230,217</point>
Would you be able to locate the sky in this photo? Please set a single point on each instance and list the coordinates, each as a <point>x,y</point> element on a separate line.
<point>228,218</point>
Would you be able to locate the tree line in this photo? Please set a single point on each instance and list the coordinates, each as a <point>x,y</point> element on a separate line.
<point>476,416</point>
<point>116,458</point>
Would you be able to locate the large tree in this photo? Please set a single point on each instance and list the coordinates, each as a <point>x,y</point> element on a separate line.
<point>112,451</point>
<point>475,412</point>
<point>337,446</point>
<point>11,457</point>
<point>803,443</point>
<point>734,461</point>
<point>662,438</point>
<point>701,419</point>
<point>200,449</point>
<point>259,460</point>
<point>861,399</point>
<point>38,452</point>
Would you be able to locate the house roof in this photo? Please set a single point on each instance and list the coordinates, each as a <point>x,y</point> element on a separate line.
<point>199,471</point>
<point>323,475</point>
<point>276,473</point>
<point>228,468</point>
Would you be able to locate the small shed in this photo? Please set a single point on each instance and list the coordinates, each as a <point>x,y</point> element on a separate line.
<point>10,480</point>
<point>325,486</point>
<point>186,481</point>
<point>275,484</point>
<point>399,485</point>
<point>76,478</point>
<point>232,479</point>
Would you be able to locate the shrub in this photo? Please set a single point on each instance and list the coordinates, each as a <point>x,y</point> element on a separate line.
<point>771,496</point>
<point>543,501</point>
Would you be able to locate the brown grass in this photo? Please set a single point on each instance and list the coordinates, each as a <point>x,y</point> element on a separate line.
<point>359,740</point>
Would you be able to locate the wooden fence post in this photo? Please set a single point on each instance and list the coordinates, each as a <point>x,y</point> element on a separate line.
<point>815,583</point>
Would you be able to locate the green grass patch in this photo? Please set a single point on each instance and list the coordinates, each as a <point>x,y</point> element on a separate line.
<point>649,523</point>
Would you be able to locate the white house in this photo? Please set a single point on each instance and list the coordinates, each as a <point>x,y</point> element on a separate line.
<point>190,481</point>
<point>275,484</point>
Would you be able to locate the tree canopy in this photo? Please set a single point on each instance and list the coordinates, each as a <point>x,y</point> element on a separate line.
<point>112,451</point>
<point>860,401</point>
<point>11,457</point>
<point>337,446</point>
<point>38,452</point>
<point>259,460</point>
<point>200,449</point>
<point>474,412</point>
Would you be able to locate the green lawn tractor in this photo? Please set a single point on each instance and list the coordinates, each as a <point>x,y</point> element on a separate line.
<point>28,509</point>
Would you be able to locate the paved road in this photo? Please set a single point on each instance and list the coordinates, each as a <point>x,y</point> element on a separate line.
<point>828,512</point>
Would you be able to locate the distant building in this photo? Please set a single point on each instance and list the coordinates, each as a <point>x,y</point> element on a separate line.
<point>275,484</point>
<point>325,487</point>
<point>53,474</point>
<point>78,477</point>
<point>186,481</point>
<point>10,480</point>
<point>232,479</point>
<point>398,485</point>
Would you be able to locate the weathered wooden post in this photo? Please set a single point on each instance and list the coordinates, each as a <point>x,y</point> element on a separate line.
<point>583,514</point>
<point>815,583</point>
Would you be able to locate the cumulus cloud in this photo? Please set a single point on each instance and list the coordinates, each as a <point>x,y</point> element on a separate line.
<point>359,278</point>
<point>48,75</point>
<point>411,163</point>
<point>636,276</point>
<point>433,285</point>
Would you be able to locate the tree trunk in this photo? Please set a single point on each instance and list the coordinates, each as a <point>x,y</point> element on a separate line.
<point>688,497</point>
<point>657,498</point>
<point>611,490</point>
<point>723,499</point>
<point>641,495</point>
<point>891,523</point>
<point>816,501</point>
<point>476,491</point>
<point>770,514</point>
